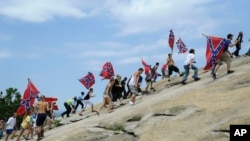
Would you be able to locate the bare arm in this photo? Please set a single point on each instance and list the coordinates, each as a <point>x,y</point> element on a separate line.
<point>232,45</point>
<point>91,94</point>
<point>109,89</point>
<point>190,62</point>
<point>136,76</point>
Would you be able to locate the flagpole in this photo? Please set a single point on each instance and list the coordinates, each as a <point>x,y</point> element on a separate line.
<point>204,35</point>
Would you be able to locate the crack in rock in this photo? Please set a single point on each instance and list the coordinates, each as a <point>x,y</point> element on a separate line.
<point>121,130</point>
<point>164,115</point>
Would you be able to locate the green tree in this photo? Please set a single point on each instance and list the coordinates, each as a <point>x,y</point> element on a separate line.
<point>9,102</point>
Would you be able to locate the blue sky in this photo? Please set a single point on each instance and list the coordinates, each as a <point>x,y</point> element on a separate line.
<point>56,42</point>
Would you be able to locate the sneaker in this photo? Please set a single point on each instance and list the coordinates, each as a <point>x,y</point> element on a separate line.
<point>80,114</point>
<point>168,80</point>
<point>230,71</point>
<point>213,75</point>
<point>25,137</point>
<point>62,115</point>
<point>196,79</point>
<point>183,83</point>
<point>131,103</point>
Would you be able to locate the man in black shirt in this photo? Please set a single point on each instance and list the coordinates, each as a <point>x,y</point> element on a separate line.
<point>87,101</point>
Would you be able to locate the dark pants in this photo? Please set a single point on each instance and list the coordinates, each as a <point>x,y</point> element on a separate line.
<point>41,117</point>
<point>78,102</point>
<point>236,52</point>
<point>68,109</point>
<point>125,95</point>
<point>115,95</point>
<point>123,92</point>
<point>171,69</point>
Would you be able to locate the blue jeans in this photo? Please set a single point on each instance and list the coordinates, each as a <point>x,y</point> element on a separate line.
<point>186,67</point>
<point>248,50</point>
<point>1,133</point>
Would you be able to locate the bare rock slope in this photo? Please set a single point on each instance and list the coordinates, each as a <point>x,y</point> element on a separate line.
<point>198,111</point>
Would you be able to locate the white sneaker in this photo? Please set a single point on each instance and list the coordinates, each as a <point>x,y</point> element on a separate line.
<point>131,103</point>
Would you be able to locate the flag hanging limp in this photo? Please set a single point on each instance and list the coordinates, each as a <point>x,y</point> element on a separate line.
<point>171,39</point>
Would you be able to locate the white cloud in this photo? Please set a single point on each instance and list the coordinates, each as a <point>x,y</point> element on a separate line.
<point>144,16</point>
<point>130,16</point>
<point>39,10</point>
<point>121,53</point>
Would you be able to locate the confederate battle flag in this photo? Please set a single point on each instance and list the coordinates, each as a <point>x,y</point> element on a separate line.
<point>107,71</point>
<point>181,46</point>
<point>214,50</point>
<point>88,81</point>
<point>28,98</point>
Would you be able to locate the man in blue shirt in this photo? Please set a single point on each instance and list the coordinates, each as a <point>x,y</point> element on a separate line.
<point>226,56</point>
<point>79,101</point>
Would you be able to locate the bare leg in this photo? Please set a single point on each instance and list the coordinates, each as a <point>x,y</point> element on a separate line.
<point>39,132</point>
<point>228,66</point>
<point>93,110</point>
<point>132,99</point>
<point>146,87</point>
<point>110,105</point>
<point>20,134</point>
<point>217,68</point>
<point>7,136</point>
<point>82,111</point>
<point>103,104</point>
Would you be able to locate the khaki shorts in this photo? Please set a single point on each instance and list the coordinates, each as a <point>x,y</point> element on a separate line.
<point>225,57</point>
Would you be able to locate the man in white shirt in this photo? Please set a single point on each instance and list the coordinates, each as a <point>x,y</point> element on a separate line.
<point>133,85</point>
<point>189,64</point>
<point>11,123</point>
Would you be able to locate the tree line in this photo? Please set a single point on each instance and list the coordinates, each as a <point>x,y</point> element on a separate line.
<point>9,102</point>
